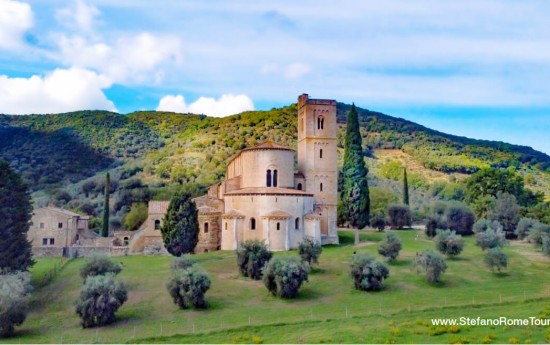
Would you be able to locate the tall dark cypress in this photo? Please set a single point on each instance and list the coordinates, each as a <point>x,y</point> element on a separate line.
<point>180,228</point>
<point>106,208</point>
<point>355,188</point>
<point>15,217</point>
<point>405,187</point>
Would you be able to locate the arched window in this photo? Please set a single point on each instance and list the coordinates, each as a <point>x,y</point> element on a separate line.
<point>297,223</point>
<point>275,178</point>
<point>157,224</point>
<point>252,224</point>
<point>321,153</point>
<point>126,241</point>
<point>278,226</point>
<point>299,186</point>
<point>225,225</point>
<point>205,228</point>
<point>320,122</point>
<point>268,178</point>
<point>321,187</point>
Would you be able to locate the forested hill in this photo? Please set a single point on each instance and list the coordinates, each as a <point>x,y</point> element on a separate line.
<point>56,149</point>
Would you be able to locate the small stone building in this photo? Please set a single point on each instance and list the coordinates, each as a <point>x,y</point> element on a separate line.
<point>148,238</point>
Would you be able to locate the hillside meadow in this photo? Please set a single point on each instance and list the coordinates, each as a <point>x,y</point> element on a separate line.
<point>328,308</point>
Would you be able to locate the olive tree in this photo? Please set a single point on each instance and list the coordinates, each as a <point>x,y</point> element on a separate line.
<point>432,263</point>
<point>99,264</point>
<point>182,262</point>
<point>390,246</point>
<point>188,286</point>
<point>399,216</point>
<point>491,238</point>
<point>368,274</point>
<point>252,256</point>
<point>449,243</point>
<point>100,298</point>
<point>310,250</point>
<point>284,276</point>
<point>524,226</point>
<point>496,259</point>
<point>14,294</point>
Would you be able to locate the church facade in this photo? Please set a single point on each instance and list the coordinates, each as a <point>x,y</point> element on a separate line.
<point>264,198</point>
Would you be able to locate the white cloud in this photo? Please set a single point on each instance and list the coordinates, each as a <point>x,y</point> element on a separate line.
<point>60,91</point>
<point>80,16</point>
<point>15,19</point>
<point>130,59</point>
<point>227,104</point>
<point>297,70</point>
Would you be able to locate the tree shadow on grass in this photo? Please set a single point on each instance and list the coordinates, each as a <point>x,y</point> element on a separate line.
<point>400,263</point>
<point>317,270</point>
<point>501,274</point>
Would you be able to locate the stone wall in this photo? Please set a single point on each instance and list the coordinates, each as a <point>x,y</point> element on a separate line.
<point>89,250</point>
<point>43,252</point>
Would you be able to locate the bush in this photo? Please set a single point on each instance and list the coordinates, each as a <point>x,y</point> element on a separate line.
<point>181,263</point>
<point>188,286</point>
<point>14,290</point>
<point>460,218</point>
<point>99,300</point>
<point>252,256</point>
<point>368,274</point>
<point>310,250</point>
<point>432,263</point>
<point>284,276</point>
<point>449,243</point>
<point>390,246</point>
<point>378,221</point>
<point>490,238</point>
<point>496,259</point>
<point>537,233</point>
<point>399,216</point>
<point>136,216</point>
<point>99,264</point>
<point>524,226</point>
<point>482,225</point>
<point>505,210</point>
<point>436,222</point>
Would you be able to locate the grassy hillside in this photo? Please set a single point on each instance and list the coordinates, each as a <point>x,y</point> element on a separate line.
<point>242,310</point>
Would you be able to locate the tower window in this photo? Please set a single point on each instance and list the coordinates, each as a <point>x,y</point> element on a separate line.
<point>275,178</point>
<point>205,228</point>
<point>225,225</point>
<point>321,153</point>
<point>320,122</point>
<point>299,186</point>
<point>157,224</point>
<point>278,226</point>
<point>252,224</point>
<point>297,223</point>
<point>268,178</point>
<point>321,187</point>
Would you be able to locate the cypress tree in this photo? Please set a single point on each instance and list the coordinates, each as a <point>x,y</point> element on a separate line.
<point>355,188</point>
<point>105,229</point>
<point>405,187</point>
<point>180,229</point>
<point>15,217</point>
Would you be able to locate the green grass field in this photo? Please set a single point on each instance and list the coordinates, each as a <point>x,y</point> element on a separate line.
<point>328,308</point>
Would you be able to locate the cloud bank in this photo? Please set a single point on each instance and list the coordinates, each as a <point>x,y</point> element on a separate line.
<point>227,104</point>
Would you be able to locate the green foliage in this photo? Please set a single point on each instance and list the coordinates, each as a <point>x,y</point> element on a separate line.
<point>136,216</point>
<point>182,262</point>
<point>283,276</point>
<point>505,210</point>
<point>405,187</point>
<point>310,250</point>
<point>252,256</point>
<point>496,259</point>
<point>368,274</point>
<point>188,286</point>
<point>106,209</point>
<point>14,300</point>
<point>378,221</point>
<point>15,216</point>
<point>449,243</point>
<point>540,212</point>
<point>492,237</point>
<point>355,188</point>
<point>380,198</point>
<point>459,218</point>
<point>432,263</point>
<point>537,233</point>
<point>180,229</point>
<point>434,223</point>
<point>524,227</point>
<point>99,264</point>
<point>100,298</point>
<point>546,244</point>
<point>399,216</point>
<point>390,246</point>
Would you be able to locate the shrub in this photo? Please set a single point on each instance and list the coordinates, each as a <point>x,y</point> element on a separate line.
<point>481,225</point>
<point>99,300</point>
<point>136,216</point>
<point>378,221</point>
<point>188,286</point>
<point>505,210</point>
<point>390,246</point>
<point>432,263</point>
<point>14,290</point>
<point>399,216</point>
<point>537,233</point>
<point>99,264</point>
<point>490,238</point>
<point>182,262</point>
<point>449,243</point>
<point>524,226</point>
<point>435,223</point>
<point>460,218</point>
<point>368,274</point>
<point>310,250</point>
<point>284,276</point>
<point>496,259</point>
<point>252,256</point>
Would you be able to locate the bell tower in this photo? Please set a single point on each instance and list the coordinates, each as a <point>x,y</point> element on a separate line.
<point>318,160</point>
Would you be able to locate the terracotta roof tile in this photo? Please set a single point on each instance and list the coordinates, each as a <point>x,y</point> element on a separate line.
<point>158,207</point>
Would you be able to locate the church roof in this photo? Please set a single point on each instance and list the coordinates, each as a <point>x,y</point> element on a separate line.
<point>266,145</point>
<point>207,210</point>
<point>312,216</point>
<point>233,214</point>
<point>277,214</point>
<point>66,212</point>
<point>158,207</point>
<point>268,191</point>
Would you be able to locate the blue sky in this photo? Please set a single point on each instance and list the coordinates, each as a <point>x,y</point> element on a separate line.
<point>473,68</point>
